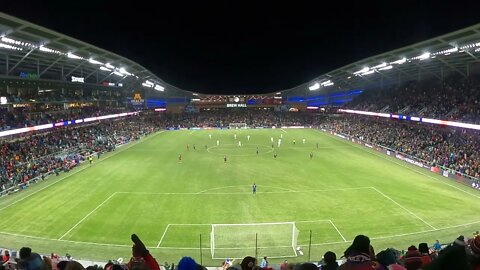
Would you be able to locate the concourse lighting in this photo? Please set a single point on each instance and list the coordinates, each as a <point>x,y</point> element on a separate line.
<point>109,66</point>
<point>316,86</point>
<point>147,85</point>
<point>105,69</point>
<point>95,62</point>
<point>159,88</point>
<point>118,73</point>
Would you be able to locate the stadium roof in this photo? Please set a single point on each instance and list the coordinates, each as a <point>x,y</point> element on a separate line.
<point>436,57</point>
<point>28,45</point>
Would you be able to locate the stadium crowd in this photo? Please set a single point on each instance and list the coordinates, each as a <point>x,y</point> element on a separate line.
<point>27,158</point>
<point>20,117</point>
<point>452,99</point>
<point>461,254</point>
<point>222,118</point>
<point>455,149</point>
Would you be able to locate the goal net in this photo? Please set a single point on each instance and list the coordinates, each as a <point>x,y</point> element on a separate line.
<point>237,125</point>
<point>274,240</point>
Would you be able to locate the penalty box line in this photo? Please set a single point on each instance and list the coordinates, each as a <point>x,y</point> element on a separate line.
<point>403,207</point>
<point>247,224</point>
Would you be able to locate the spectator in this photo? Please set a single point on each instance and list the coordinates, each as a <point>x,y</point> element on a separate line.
<point>358,255</point>
<point>423,249</point>
<point>264,263</point>
<point>248,263</point>
<point>329,261</point>
<point>413,259</point>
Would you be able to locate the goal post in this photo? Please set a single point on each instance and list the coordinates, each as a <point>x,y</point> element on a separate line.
<point>275,240</point>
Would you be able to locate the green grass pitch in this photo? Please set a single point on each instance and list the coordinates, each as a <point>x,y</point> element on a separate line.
<point>344,190</point>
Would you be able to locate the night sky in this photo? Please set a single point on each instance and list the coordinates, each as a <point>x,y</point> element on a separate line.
<point>247,47</point>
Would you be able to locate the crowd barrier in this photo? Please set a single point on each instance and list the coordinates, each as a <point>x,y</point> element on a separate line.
<point>445,172</point>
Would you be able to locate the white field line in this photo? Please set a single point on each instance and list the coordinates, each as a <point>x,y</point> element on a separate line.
<point>402,164</point>
<point>163,235</point>
<point>196,248</point>
<point>404,208</point>
<point>283,130</point>
<point>338,231</point>
<point>85,217</point>
<point>211,189</point>
<point>240,193</point>
<point>191,132</point>
<point>85,166</point>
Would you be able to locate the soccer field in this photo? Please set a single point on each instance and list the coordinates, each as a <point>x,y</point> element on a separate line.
<point>142,188</point>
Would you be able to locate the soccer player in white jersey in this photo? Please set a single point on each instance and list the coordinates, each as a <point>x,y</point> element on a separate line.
<point>239,143</point>
<point>218,142</point>
<point>279,142</point>
<point>303,141</point>
<point>248,137</point>
<point>235,136</point>
<point>271,139</point>
<point>210,136</point>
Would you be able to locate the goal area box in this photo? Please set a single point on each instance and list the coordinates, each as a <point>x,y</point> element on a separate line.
<point>275,240</point>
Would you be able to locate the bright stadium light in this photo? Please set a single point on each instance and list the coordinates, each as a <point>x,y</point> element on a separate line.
<point>10,47</point>
<point>73,56</point>
<point>147,85</point>
<point>123,71</point>
<point>316,86</point>
<point>48,50</point>
<point>159,88</point>
<point>95,62</point>
<point>149,82</point>
<point>327,83</point>
<point>380,66</point>
<point>399,62</point>
<point>423,56</point>
<point>363,70</point>
<point>386,68</point>
<point>16,42</point>
<point>368,72</point>
<point>109,66</point>
<point>105,69</point>
<point>118,73</point>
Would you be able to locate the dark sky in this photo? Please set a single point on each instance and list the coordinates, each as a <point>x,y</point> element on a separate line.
<point>247,47</point>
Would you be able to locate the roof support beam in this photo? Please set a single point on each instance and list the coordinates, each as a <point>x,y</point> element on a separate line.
<point>452,67</point>
<point>106,77</point>
<point>79,65</point>
<point>51,65</point>
<point>21,60</point>
<point>90,74</point>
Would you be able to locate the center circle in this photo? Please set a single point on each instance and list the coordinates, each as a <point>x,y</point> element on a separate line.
<point>240,151</point>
